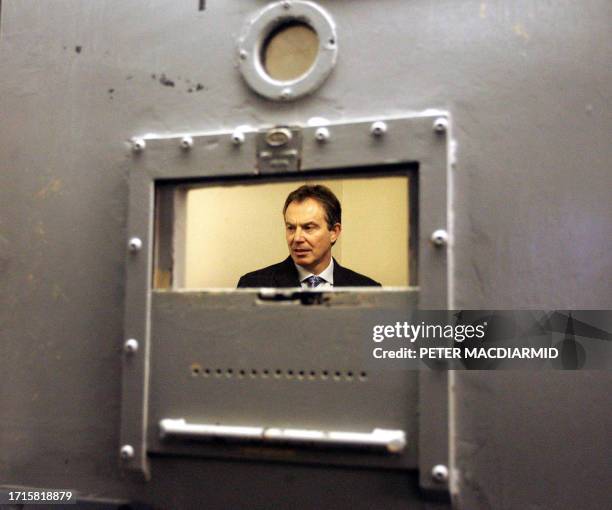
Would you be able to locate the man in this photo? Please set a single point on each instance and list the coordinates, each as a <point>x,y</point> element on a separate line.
<point>312,226</point>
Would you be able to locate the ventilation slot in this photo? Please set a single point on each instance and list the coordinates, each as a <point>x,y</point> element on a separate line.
<point>197,370</point>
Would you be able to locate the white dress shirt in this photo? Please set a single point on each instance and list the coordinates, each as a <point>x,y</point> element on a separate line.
<point>327,274</point>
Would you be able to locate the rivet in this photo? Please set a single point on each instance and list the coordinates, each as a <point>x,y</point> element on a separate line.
<point>138,144</point>
<point>439,473</point>
<point>243,55</point>
<point>131,346</point>
<point>135,244</point>
<point>286,94</point>
<point>186,142</point>
<point>378,128</point>
<point>237,137</point>
<point>286,5</point>
<point>440,125</point>
<point>439,237</point>
<point>396,445</point>
<point>322,134</point>
<point>127,452</point>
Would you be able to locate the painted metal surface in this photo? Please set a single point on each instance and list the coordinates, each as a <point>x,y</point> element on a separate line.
<point>234,360</point>
<point>527,85</point>
<point>406,140</point>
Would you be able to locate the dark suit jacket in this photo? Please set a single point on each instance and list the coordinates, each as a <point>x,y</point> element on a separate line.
<point>284,274</point>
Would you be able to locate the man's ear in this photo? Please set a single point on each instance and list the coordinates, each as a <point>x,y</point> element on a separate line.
<point>335,232</point>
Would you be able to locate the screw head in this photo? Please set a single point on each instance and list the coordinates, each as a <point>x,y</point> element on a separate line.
<point>439,237</point>
<point>322,134</point>
<point>378,128</point>
<point>237,137</point>
<point>439,473</point>
<point>127,452</point>
<point>135,244</point>
<point>131,346</point>
<point>186,143</point>
<point>440,125</point>
<point>286,94</point>
<point>138,145</point>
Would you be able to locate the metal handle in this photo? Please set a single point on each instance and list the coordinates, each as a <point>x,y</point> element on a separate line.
<point>393,441</point>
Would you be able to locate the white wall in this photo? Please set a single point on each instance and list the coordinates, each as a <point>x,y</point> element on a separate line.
<point>232,230</point>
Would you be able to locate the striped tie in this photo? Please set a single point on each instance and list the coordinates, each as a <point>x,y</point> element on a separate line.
<point>313,281</point>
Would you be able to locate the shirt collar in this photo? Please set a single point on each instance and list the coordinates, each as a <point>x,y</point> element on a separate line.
<point>327,274</point>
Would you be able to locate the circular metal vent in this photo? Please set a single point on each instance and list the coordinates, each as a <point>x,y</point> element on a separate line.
<point>288,49</point>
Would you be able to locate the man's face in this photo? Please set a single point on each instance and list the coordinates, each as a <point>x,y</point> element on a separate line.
<point>308,236</point>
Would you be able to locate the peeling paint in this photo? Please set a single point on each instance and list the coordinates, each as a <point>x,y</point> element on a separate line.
<point>164,80</point>
<point>53,187</point>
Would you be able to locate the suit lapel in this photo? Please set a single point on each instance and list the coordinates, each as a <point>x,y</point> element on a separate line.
<point>287,275</point>
<point>339,275</point>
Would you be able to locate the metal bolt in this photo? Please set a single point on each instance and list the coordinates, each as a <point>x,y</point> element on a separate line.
<point>322,134</point>
<point>237,137</point>
<point>243,55</point>
<point>186,142</point>
<point>131,346</point>
<point>396,445</point>
<point>285,94</point>
<point>439,473</point>
<point>138,145</point>
<point>439,237</point>
<point>441,125</point>
<point>378,128</point>
<point>135,244</point>
<point>127,452</point>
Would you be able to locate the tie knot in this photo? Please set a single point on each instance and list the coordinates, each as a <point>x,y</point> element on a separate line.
<point>313,281</point>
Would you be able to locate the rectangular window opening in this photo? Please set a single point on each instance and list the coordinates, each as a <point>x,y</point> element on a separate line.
<point>208,233</point>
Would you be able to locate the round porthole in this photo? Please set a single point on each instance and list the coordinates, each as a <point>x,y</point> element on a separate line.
<point>288,49</point>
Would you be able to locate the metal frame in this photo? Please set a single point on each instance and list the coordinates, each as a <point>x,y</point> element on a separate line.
<point>422,138</point>
<point>257,31</point>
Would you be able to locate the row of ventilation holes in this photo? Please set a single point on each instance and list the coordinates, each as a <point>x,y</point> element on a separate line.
<point>337,375</point>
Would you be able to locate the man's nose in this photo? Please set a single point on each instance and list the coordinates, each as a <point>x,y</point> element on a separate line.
<point>298,236</point>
